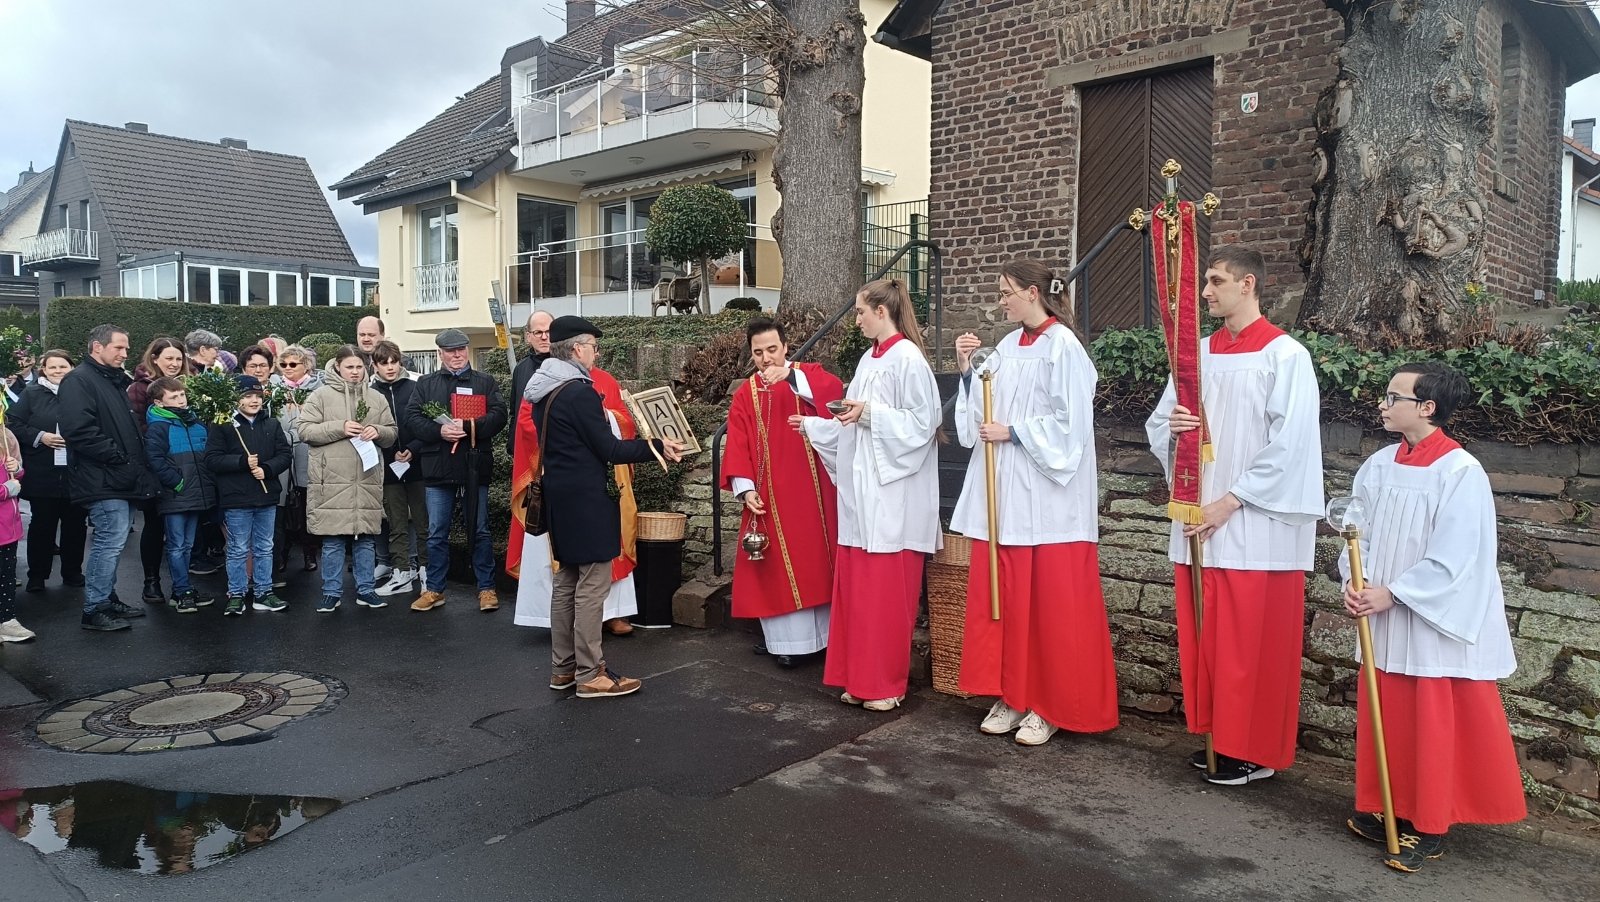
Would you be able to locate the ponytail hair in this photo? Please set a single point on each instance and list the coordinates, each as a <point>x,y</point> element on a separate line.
<point>892,294</point>
<point>1025,272</point>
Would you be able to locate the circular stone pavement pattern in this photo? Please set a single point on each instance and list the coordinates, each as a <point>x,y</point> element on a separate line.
<point>188,712</point>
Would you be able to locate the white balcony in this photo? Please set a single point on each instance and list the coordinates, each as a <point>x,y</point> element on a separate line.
<point>647,116</point>
<point>61,246</point>
<point>436,286</point>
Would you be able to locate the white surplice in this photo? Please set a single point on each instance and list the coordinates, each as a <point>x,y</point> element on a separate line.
<point>1045,478</point>
<point>886,465</point>
<point>801,632</point>
<point>1262,408</point>
<point>536,585</point>
<point>1430,539</point>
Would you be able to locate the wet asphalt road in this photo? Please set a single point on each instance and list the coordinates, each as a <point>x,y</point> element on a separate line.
<point>464,778</point>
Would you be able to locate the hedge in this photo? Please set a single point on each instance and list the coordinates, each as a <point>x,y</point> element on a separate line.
<point>70,319</point>
<point>25,319</point>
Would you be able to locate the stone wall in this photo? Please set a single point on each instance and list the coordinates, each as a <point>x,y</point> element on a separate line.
<point>1550,563</point>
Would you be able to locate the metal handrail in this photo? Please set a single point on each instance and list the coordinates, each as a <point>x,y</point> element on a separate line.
<point>935,306</point>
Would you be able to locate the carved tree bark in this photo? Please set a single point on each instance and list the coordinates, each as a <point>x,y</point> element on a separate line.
<point>1396,232</point>
<point>817,165</point>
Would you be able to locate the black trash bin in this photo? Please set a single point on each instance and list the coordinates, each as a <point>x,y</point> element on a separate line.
<point>660,568</point>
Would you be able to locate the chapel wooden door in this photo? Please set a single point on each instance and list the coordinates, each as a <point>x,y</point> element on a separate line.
<point>1128,129</point>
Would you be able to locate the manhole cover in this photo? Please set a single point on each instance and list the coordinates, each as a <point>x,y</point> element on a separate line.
<point>188,711</point>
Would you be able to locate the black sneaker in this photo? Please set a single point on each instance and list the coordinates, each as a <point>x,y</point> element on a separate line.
<point>1370,826</point>
<point>184,603</point>
<point>235,606</point>
<point>370,600</point>
<point>1198,760</point>
<point>1415,849</point>
<point>203,565</point>
<point>123,611</point>
<point>201,601</point>
<point>328,604</point>
<point>1234,772</point>
<point>35,585</point>
<point>103,621</point>
<point>74,580</point>
<point>152,591</point>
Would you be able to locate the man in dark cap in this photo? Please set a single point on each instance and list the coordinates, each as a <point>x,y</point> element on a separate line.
<point>457,460</point>
<point>584,523</point>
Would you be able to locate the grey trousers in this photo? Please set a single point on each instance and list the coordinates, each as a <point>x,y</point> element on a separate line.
<point>405,510</point>
<point>577,612</point>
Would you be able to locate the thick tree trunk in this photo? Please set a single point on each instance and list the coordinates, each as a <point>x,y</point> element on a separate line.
<point>817,165</point>
<point>1397,227</point>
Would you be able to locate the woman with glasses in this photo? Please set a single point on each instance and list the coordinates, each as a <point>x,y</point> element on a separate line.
<point>1048,657</point>
<point>164,357</point>
<point>297,377</point>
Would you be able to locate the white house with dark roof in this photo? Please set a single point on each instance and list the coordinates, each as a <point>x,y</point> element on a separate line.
<point>1580,205</point>
<point>541,177</point>
<point>20,208</point>
<point>132,213</point>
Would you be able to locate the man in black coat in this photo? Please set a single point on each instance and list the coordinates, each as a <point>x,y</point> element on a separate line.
<point>106,470</point>
<point>536,338</point>
<point>457,453</point>
<point>585,526</point>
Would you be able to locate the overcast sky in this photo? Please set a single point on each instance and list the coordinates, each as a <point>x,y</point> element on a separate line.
<point>335,81</point>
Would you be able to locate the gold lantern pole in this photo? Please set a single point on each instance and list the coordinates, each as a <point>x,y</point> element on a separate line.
<point>987,376</point>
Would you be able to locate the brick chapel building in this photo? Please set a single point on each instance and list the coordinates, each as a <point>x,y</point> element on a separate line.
<point>1051,117</point>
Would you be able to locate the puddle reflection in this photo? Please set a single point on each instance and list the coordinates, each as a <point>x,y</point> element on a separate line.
<point>149,830</point>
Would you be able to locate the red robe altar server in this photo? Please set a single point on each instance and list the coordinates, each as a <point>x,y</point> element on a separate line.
<point>881,452</point>
<point>1048,657</point>
<point>1439,635</point>
<point>528,557</point>
<point>1264,498</point>
<point>787,496</point>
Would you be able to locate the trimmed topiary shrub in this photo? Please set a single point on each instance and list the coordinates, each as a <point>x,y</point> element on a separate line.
<point>70,319</point>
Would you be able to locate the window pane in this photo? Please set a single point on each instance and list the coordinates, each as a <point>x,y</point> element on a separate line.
<point>199,284</point>
<point>167,281</point>
<point>256,284</point>
<point>369,292</point>
<point>8,264</point>
<point>544,223</point>
<point>228,288</point>
<point>319,291</point>
<point>130,283</point>
<point>286,289</point>
<point>450,243</point>
<point>147,282</point>
<point>91,288</point>
<point>344,292</point>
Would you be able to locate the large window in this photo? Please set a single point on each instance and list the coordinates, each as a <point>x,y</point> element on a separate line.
<point>540,223</point>
<point>288,293</point>
<point>228,286</point>
<point>320,294</point>
<point>10,264</point>
<point>158,282</point>
<point>438,235</point>
<point>257,290</point>
<point>199,285</point>
<point>743,190</point>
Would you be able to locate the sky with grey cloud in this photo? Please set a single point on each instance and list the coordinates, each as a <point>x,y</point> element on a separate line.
<point>335,81</point>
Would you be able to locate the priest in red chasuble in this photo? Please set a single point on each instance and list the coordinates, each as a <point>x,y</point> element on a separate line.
<point>787,497</point>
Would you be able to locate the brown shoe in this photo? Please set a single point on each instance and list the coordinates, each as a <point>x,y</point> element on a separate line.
<point>427,601</point>
<point>619,626</point>
<point>559,681</point>
<point>608,685</point>
<point>488,600</point>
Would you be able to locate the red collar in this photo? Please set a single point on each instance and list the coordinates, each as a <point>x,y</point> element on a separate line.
<point>880,348</point>
<point>1029,336</point>
<point>1251,338</point>
<point>1426,452</point>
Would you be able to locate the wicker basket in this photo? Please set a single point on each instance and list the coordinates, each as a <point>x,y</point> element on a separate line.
<point>947,612</point>
<point>656,526</point>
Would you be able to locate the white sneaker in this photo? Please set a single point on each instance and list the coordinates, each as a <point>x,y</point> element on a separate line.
<point>399,581</point>
<point>1002,719</point>
<point>883,704</point>
<point>849,699</point>
<point>12,631</point>
<point>1035,731</point>
<point>381,572</point>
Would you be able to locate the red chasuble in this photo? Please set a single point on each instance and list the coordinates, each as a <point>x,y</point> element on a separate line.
<point>525,468</point>
<point>801,523</point>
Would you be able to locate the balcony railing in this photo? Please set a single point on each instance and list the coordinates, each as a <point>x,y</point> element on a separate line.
<point>634,102</point>
<point>437,286</point>
<point>78,245</point>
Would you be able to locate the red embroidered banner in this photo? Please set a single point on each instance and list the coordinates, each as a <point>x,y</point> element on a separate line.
<point>1180,321</point>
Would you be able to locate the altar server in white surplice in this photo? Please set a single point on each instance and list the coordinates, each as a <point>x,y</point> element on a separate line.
<point>1264,498</point>
<point>881,453</point>
<point>1048,657</point>
<point>1439,635</point>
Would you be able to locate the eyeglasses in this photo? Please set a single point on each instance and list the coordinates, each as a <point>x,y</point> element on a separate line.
<point>538,332</point>
<point>1008,292</point>
<point>287,364</point>
<point>1390,399</point>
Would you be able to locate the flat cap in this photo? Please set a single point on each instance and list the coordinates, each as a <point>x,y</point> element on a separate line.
<point>566,327</point>
<point>450,339</point>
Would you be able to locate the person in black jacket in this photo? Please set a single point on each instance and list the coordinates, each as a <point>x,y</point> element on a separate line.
<point>584,522</point>
<point>457,455</point>
<point>536,338</point>
<point>106,472</point>
<point>405,509</point>
<point>246,455</point>
<point>36,419</point>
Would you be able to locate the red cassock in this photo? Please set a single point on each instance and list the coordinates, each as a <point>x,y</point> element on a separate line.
<point>801,523</point>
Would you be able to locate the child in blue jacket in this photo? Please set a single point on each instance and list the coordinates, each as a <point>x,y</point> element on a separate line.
<point>175,445</point>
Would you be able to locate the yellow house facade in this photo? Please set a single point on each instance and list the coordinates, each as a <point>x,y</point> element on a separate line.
<point>535,187</point>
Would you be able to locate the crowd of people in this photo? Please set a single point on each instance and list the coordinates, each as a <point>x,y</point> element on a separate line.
<point>840,490</point>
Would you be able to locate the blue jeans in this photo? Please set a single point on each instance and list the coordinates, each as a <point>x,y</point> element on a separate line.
<point>441,507</point>
<point>333,564</point>
<point>111,519</point>
<point>180,547</point>
<point>249,536</point>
